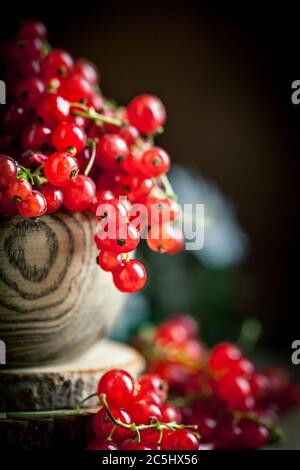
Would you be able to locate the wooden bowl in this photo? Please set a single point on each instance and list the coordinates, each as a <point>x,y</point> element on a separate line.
<point>54,299</point>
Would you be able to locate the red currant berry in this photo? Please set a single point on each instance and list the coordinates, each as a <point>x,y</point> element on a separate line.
<point>132,444</point>
<point>227,434</point>
<point>61,168</point>
<point>112,151</point>
<point>130,277</point>
<point>79,194</point>
<point>253,435</point>
<point>99,444</point>
<point>207,424</point>
<point>7,205</point>
<point>76,88</point>
<point>146,113</point>
<point>101,197</point>
<point>145,412</point>
<point>23,70</point>
<point>103,425</point>
<point>235,391</point>
<point>162,210</point>
<point>58,63</point>
<point>181,439</point>
<point>30,48</point>
<point>31,159</point>
<point>88,70</point>
<point>243,367</point>
<point>125,240</point>
<point>223,356</point>
<point>165,239</point>
<point>53,109</point>
<point>118,386</point>
<point>109,260</point>
<point>34,205</point>
<point>14,118</point>
<point>32,29</point>
<point>37,137</point>
<point>29,92</point>
<point>155,162</point>
<point>178,329</point>
<point>111,209</point>
<point>171,413</point>
<point>130,134</point>
<point>19,189</point>
<point>135,187</point>
<point>67,137</point>
<point>153,383</point>
<point>53,196</point>
<point>8,170</point>
<point>260,386</point>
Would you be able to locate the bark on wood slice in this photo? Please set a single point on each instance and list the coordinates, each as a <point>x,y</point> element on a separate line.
<point>64,385</point>
<point>66,433</point>
<point>54,299</point>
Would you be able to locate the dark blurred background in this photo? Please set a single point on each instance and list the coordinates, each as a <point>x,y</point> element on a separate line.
<point>224,73</point>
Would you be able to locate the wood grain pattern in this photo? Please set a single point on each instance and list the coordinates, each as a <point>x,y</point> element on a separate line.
<point>66,384</point>
<point>54,300</point>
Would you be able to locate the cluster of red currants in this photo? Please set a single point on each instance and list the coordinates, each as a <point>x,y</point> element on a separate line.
<point>72,147</point>
<point>135,416</point>
<point>234,405</point>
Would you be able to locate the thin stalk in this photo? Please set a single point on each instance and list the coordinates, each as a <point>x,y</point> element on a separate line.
<point>89,166</point>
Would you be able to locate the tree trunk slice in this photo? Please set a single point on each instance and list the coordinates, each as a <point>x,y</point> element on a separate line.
<point>54,299</point>
<point>65,385</point>
<point>66,433</point>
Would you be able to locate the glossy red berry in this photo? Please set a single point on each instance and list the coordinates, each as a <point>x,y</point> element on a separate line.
<point>146,113</point>
<point>181,439</point>
<point>235,391</point>
<point>130,134</point>
<point>68,136</point>
<point>155,162</point>
<point>153,383</point>
<point>57,64</point>
<point>76,88</point>
<point>61,168</point>
<point>130,277</point>
<point>7,205</point>
<point>109,260</point>
<point>179,329</point>
<point>38,138</point>
<point>125,239</point>
<point>223,355</point>
<point>53,109</point>
<point>27,48</point>
<point>19,189</point>
<point>171,413</point>
<point>88,70</point>
<point>132,444</point>
<point>118,386</point>
<point>162,211</point>
<point>29,92</point>
<point>31,159</point>
<point>23,70</point>
<point>8,170</point>
<point>112,151</point>
<point>253,435</point>
<point>100,444</point>
<point>32,29</point>
<point>101,197</point>
<point>34,205</point>
<point>15,118</point>
<point>53,196</point>
<point>103,425</point>
<point>79,194</point>
<point>165,239</point>
<point>145,412</point>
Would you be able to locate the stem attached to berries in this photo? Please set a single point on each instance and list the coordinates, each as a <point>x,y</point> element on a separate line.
<point>137,429</point>
<point>93,144</point>
<point>79,109</point>
<point>167,186</point>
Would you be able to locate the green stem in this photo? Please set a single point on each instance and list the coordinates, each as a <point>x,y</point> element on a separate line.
<point>90,113</point>
<point>250,333</point>
<point>167,186</point>
<point>93,144</point>
<point>31,415</point>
